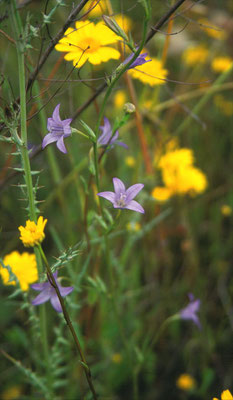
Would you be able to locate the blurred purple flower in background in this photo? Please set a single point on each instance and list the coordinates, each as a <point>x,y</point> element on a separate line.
<point>122,197</point>
<point>58,130</point>
<point>190,311</point>
<point>49,293</point>
<point>106,138</point>
<point>140,60</point>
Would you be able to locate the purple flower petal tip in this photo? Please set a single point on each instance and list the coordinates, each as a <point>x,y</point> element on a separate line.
<point>122,197</point>
<point>107,138</point>
<point>58,130</point>
<point>190,311</point>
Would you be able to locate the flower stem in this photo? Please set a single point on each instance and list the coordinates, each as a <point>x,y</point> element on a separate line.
<point>69,323</point>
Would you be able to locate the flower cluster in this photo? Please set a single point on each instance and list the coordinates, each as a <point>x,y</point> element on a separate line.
<point>33,234</point>
<point>23,266</point>
<point>179,175</point>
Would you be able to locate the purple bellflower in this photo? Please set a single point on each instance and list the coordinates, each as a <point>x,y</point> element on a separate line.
<point>49,293</point>
<point>106,138</point>
<point>190,311</point>
<point>123,198</point>
<point>140,60</point>
<point>58,130</point>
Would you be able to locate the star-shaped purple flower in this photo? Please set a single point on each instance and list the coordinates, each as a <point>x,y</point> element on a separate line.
<point>189,312</point>
<point>106,138</point>
<point>140,60</point>
<point>49,293</point>
<point>123,198</point>
<point>58,130</point>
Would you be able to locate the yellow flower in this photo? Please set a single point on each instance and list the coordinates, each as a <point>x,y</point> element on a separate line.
<point>177,157</point>
<point>12,393</point>
<point>124,22</point>
<point>224,105</point>
<point>151,73</point>
<point>221,64</point>
<point>195,55</point>
<point>23,266</point>
<point>133,226</point>
<point>161,193</point>
<point>117,358</point>
<point>211,30</point>
<point>119,99</point>
<point>130,161</point>
<point>98,10</point>
<point>88,41</point>
<point>185,382</point>
<point>226,210</point>
<point>226,395</point>
<point>33,233</point>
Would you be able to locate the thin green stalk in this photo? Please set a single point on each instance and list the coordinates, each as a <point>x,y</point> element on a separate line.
<point>69,323</point>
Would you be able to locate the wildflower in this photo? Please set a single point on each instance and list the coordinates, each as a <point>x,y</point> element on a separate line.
<point>212,31</point>
<point>23,266</point>
<point>161,193</point>
<point>97,8</point>
<point>33,233</point>
<point>185,382</point>
<point>195,55</point>
<point>226,210</point>
<point>116,358</point>
<point>130,161</point>
<point>189,312</point>
<point>140,60</point>
<point>226,395</point>
<point>123,198</point>
<point>12,393</point>
<point>107,138</point>
<point>48,292</point>
<point>58,130</point>
<point>151,73</point>
<point>221,64</point>
<point>119,99</point>
<point>88,42</point>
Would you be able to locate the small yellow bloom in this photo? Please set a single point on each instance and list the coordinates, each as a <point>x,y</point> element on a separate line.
<point>88,41</point>
<point>130,161</point>
<point>161,193</point>
<point>12,393</point>
<point>23,266</point>
<point>195,55</point>
<point>97,9</point>
<point>185,382</point>
<point>133,226</point>
<point>151,73</point>
<point>221,64</point>
<point>226,395</point>
<point>211,30</point>
<point>33,233</point>
<point>226,210</point>
<point>119,99</point>
<point>117,358</point>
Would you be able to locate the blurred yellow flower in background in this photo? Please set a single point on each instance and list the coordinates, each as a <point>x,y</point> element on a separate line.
<point>119,99</point>
<point>23,267</point>
<point>226,106</point>
<point>116,358</point>
<point>185,382</point>
<point>124,22</point>
<point>33,233</point>
<point>130,161</point>
<point>221,64</point>
<point>151,73</point>
<point>195,55</point>
<point>12,393</point>
<point>133,226</point>
<point>226,210</point>
<point>226,395</point>
<point>212,30</point>
<point>99,8</point>
<point>88,41</point>
<point>179,175</point>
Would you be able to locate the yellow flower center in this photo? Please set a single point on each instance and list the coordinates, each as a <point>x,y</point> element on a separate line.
<point>89,45</point>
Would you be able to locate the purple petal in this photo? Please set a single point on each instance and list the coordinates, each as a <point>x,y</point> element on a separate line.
<point>66,121</point>
<point>135,206</point>
<point>61,145</point>
<point>65,290</point>
<point>41,298</point>
<point>55,302</point>
<point>56,114</point>
<point>49,138</point>
<point>119,186</point>
<point>122,144</point>
<point>111,196</point>
<point>38,286</point>
<point>133,190</point>
<point>114,138</point>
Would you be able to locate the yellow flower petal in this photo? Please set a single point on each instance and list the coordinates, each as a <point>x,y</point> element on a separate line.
<point>151,73</point>
<point>161,193</point>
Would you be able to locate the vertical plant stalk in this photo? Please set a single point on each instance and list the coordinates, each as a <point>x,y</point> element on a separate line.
<point>69,323</point>
<point>20,47</point>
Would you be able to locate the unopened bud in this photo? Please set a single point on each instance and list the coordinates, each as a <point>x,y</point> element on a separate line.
<point>129,108</point>
<point>113,25</point>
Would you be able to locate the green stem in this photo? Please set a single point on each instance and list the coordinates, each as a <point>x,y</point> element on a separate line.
<point>69,323</point>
